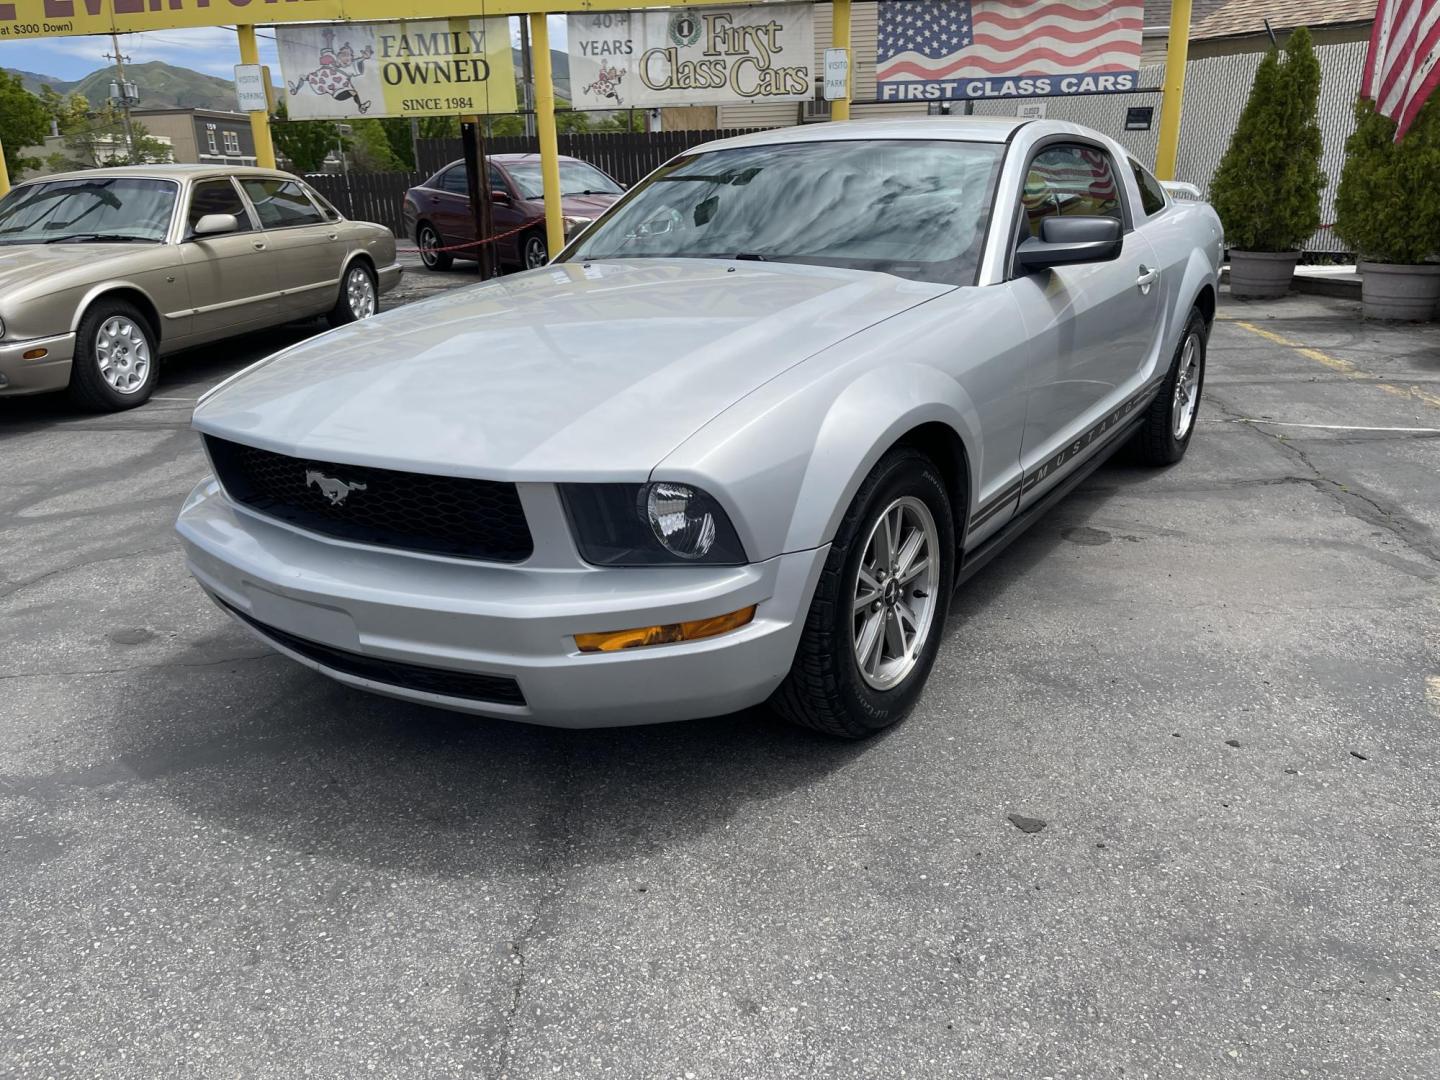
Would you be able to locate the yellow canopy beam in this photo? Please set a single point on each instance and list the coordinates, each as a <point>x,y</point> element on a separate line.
<point>259,121</point>
<point>4,173</point>
<point>545,125</point>
<point>1177,55</point>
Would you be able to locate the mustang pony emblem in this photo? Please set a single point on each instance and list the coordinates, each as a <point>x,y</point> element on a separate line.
<point>337,491</point>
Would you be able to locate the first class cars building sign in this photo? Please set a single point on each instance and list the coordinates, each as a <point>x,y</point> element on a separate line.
<point>692,56</point>
<point>409,68</point>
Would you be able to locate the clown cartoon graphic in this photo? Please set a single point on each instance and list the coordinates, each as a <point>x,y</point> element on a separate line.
<point>607,84</point>
<point>336,75</point>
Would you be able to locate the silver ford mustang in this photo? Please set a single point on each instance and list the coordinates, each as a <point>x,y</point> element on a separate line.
<point>738,444</point>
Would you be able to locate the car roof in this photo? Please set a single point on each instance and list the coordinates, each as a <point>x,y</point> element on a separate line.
<point>991,129</point>
<point>506,159</point>
<point>179,173</point>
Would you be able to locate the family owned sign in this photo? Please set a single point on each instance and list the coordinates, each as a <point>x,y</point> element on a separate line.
<point>692,56</point>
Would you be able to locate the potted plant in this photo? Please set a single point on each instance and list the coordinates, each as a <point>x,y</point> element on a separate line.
<point>1267,188</point>
<point>1388,211</point>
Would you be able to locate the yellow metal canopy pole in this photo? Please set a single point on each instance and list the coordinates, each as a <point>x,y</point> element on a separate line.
<point>545,125</point>
<point>840,39</point>
<point>259,121</point>
<point>4,173</point>
<point>1177,54</point>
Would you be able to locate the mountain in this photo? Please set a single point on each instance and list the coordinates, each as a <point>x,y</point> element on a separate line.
<point>32,81</point>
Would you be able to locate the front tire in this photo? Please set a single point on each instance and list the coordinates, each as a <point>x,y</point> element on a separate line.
<point>116,359</point>
<point>359,296</point>
<point>428,241</point>
<point>1165,434</point>
<point>875,623</point>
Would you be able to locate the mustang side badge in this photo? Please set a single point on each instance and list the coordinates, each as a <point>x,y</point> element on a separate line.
<point>337,491</point>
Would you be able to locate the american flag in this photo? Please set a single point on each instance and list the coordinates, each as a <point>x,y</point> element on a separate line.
<point>1403,65</point>
<point>946,40</point>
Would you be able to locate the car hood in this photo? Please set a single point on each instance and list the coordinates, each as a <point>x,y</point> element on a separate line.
<point>21,264</point>
<point>590,206</point>
<point>594,371</point>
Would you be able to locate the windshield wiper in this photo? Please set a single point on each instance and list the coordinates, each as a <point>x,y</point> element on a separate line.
<point>589,191</point>
<point>104,238</point>
<point>750,256</point>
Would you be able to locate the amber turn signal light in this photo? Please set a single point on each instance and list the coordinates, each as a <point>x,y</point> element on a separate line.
<point>668,634</point>
<point>34,354</point>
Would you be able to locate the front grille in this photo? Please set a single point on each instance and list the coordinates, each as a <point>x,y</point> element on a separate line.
<point>494,689</point>
<point>440,515</point>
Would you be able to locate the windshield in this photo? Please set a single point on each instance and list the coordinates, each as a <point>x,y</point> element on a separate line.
<point>576,178</point>
<point>121,209</point>
<point>904,207</point>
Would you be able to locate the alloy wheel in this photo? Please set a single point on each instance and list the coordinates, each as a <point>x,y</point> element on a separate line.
<point>360,292</point>
<point>1187,387</point>
<point>535,252</point>
<point>894,595</point>
<point>122,352</point>
<point>429,243</point>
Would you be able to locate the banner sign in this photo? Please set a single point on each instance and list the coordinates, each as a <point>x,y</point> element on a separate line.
<point>958,49</point>
<point>61,18</point>
<point>425,68</point>
<point>692,56</point>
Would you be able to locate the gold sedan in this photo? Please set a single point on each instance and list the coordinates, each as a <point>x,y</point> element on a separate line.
<point>102,272</point>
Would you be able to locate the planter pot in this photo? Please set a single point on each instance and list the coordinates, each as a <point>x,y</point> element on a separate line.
<point>1262,275</point>
<point>1400,291</point>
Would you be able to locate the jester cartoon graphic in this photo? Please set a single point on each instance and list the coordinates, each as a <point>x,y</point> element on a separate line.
<point>607,84</point>
<point>336,75</point>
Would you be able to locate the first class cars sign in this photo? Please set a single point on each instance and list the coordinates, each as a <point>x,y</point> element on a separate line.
<point>692,56</point>
<point>426,68</point>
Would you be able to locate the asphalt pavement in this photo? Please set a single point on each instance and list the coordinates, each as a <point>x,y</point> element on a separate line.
<point>1209,693</point>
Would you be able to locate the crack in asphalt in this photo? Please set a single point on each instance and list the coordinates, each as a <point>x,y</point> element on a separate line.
<point>558,841</point>
<point>1352,499</point>
<point>11,588</point>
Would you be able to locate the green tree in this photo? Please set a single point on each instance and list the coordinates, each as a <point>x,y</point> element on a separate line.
<point>1267,188</point>
<point>1388,205</point>
<point>24,122</point>
<point>370,149</point>
<point>305,143</point>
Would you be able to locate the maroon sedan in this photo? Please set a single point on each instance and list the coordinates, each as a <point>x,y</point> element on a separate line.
<point>437,212</point>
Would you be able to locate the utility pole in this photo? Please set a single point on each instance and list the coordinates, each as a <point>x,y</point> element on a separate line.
<point>527,80</point>
<point>123,93</point>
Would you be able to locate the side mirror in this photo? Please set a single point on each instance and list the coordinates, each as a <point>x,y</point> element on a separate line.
<point>500,198</point>
<point>1067,240</point>
<point>215,224</point>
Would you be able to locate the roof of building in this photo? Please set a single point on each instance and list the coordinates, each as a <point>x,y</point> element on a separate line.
<point>1230,18</point>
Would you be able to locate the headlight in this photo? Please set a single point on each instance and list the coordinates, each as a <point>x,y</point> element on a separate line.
<point>656,524</point>
<point>575,224</point>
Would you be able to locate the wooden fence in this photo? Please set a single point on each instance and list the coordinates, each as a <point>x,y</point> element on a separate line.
<point>626,156</point>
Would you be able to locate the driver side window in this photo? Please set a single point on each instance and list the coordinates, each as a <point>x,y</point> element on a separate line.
<point>1069,180</point>
<point>216,197</point>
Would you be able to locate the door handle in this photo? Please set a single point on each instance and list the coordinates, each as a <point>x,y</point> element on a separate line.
<point>1148,276</point>
<point>259,245</point>
<point>334,235</point>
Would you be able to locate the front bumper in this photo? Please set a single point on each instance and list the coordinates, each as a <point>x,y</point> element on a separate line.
<point>50,372</point>
<point>387,277</point>
<point>382,607</point>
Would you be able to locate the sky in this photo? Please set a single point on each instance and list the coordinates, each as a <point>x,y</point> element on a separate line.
<point>210,49</point>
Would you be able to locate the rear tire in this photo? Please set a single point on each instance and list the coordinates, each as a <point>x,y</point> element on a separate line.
<point>830,688</point>
<point>1170,421</point>
<point>428,241</point>
<point>533,251</point>
<point>116,358</point>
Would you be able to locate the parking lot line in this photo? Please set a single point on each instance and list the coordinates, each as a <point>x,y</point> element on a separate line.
<point>1335,363</point>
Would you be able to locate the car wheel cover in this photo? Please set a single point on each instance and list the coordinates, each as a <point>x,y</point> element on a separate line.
<point>895,593</point>
<point>1187,387</point>
<point>122,353</point>
<point>534,253</point>
<point>360,292</point>
<point>428,243</point>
